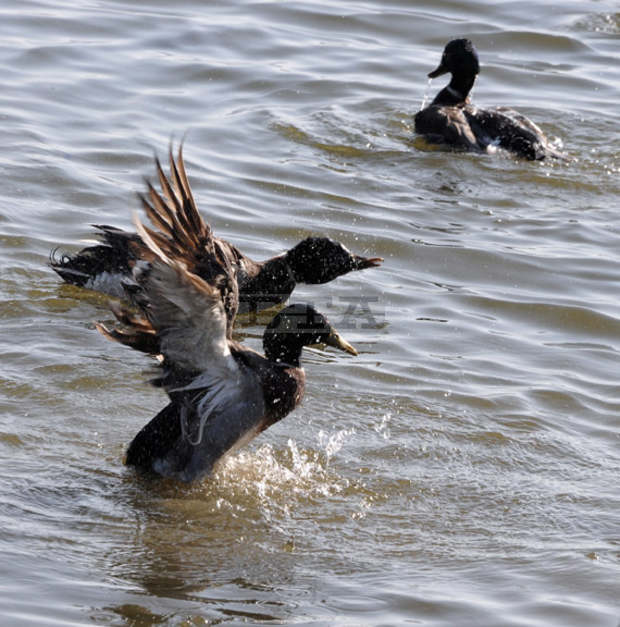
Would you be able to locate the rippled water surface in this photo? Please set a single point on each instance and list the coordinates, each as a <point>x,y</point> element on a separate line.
<point>463,470</point>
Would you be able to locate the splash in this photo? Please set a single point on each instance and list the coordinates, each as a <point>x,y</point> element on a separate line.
<point>383,427</point>
<point>426,94</point>
<point>278,477</point>
<point>267,484</point>
<point>331,444</point>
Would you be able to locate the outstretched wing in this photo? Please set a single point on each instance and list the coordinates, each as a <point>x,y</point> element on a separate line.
<point>181,314</point>
<point>186,312</point>
<point>181,234</point>
<point>217,402</point>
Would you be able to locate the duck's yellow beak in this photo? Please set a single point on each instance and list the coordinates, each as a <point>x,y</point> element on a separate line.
<point>336,341</point>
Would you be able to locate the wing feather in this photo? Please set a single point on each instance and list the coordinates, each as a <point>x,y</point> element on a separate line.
<point>197,222</point>
<point>189,318</point>
<point>180,234</point>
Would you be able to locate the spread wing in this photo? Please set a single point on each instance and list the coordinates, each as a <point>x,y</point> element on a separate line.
<point>181,313</point>
<point>185,289</point>
<point>217,402</point>
<point>180,234</point>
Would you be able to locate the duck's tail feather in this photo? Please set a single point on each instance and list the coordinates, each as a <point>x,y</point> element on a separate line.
<point>101,266</point>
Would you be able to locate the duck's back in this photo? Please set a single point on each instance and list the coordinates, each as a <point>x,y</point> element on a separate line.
<point>474,129</point>
<point>508,129</point>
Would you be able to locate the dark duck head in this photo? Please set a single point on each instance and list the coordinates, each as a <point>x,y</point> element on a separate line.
<point>451,120</point>
<point>297,326</point>
<point>321,259</point>
<point>460,59</point>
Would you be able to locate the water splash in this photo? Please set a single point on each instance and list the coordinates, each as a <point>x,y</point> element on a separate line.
<point>426,94</point>
<point>331,444</point>
<point>382,428</point>
<point>272,480</point>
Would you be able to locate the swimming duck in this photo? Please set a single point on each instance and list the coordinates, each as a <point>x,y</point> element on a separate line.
<point>261,284</point>
<point>451,119</point>
<point>222,394</point>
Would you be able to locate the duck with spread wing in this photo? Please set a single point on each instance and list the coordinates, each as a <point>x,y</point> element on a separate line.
<point>221,393</point>
<point>262,284</point>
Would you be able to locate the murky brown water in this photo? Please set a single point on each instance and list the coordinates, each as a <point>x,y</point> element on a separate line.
<point>463,470</point>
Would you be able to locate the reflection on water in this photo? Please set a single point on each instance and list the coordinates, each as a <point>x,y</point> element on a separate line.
<point>462,469</point>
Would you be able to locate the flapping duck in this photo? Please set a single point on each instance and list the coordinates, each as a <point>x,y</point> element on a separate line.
<point>261,284</point>
<point>221,393</point>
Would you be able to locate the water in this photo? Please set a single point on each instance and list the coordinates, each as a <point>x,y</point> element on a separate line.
<point>463,469</point>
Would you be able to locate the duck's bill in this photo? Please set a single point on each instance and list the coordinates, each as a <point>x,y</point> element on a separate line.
<point>335,340</point>
<point>361,263</point>
<point>441,69</point>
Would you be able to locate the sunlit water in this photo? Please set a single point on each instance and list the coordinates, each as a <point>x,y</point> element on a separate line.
<point>463,470</point>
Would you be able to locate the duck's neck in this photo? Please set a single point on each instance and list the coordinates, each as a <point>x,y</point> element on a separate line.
<point>263,285</point>
<point>456,92</point>
<point>280,349</point>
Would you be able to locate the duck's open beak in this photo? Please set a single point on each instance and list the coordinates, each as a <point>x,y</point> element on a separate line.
<point>361,263</point>
<point>441,69</point>
<point>338,342</point>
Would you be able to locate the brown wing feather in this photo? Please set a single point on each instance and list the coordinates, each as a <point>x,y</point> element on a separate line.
<point>177,202</point>
<point>137,332</point>
<point>168,214</point>
<point>174,214</point>
<point>143,341</point>
<point>181,239</point>
<point>191,218</point>
<point>159,217</point>
<point>181,235</point>
<point>196,219</point>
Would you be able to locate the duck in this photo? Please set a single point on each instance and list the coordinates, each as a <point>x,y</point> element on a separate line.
<point>105,266</point>
<point>452,120</point>
<point>221,393</point>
